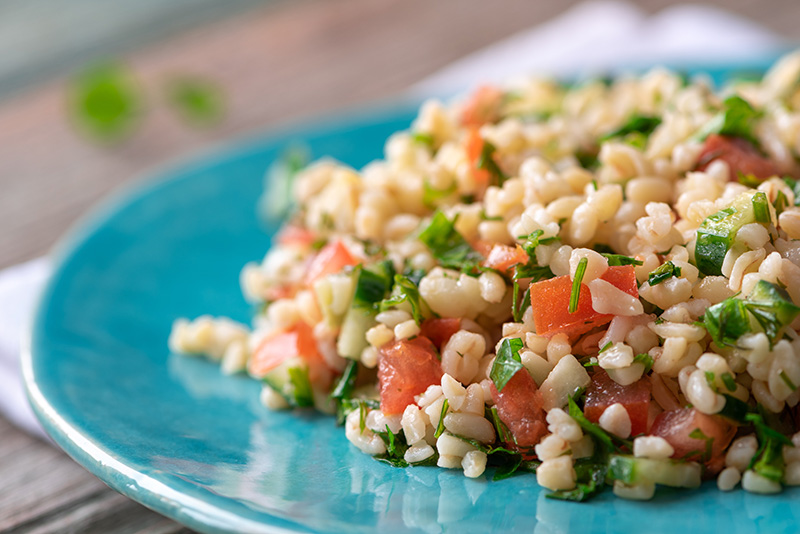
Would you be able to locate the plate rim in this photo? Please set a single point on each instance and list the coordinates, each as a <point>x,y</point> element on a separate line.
<point>186,509</point>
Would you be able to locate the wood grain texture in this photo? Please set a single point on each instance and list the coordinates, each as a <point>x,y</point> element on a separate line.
<point>45,492</point>
<point>276,64</point>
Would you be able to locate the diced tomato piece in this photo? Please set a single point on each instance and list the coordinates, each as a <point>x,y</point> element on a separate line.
<point>331,259</point>
<point>503,257</point>
<point>740,155</point>
<point>406,368</point>
<point>439,331</point>
<point>280,346</point>
<point>295,236</point>
<point>603,392</point>
<point>519,406</point>
<point>483,106</point>
<point>474,148</point>
<point>482,247</point>
<point>675,426</point>
<point>550,303</point>
<point>278,292</point>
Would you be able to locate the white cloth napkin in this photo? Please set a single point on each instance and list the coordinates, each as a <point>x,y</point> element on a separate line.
<point>19,290</point>
<point>592,37</point>
<point>605,36</point>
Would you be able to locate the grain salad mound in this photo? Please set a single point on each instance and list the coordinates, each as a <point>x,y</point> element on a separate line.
<point>595,283</point>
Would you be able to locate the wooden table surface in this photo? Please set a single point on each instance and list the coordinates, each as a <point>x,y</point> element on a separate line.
<point>276,63</point>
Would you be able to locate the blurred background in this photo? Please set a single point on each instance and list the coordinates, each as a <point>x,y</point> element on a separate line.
<point>93,93</point>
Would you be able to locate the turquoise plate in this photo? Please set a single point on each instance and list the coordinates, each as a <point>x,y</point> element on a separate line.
<point>176,435</point>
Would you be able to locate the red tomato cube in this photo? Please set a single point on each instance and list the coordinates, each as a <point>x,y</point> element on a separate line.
<point>635,398</point>
<point>406,368</point>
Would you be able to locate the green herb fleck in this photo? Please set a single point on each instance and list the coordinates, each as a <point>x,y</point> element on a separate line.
<point>404,290</point>
<point>787,380</point>
<point>794,185</point>
<point>487,162</point>
<point>503,433</point>
<point>646,360</point>
<point>431,196</point>
<point>424,139</point>
<point>737,119</point>
<point>621,259</point>
<point>575,294</point>
<point>635,131</point>
<point>663,273</point>
<point>709,441</point>
<point>590,481</point>
<point>781,202</point>
<point>603,438</point>
<point>768,460</point>
<point>276,201</point>
<point>440,426</point>
<point>302,394</point>
<point>768,305</point>
<point>727,379</point>
<point>507,362</point>
<point>447,245</point>
<point>520,306</point>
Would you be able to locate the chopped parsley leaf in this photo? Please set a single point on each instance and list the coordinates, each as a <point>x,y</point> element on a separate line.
<point>575,294</point>
<point>620,259</point>
<point>768,460</point>
<point>487,162</point>
<point>431,196</point>
<point>795,187</point>
<point>404,290</point>
<point>519,306</point>
<point>507,362</point>
<point>768,305</point>
<point>663,273</point>
<point>440,426</point>
<point>447,245</point>
<point>646,360</point>
<point>635,131</point>
<point>423,138</point>
<point>728,380</point>
<point>736,118</point>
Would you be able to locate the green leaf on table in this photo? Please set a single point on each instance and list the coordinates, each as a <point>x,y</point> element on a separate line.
<point>197,100</point>
<point>106,102</point>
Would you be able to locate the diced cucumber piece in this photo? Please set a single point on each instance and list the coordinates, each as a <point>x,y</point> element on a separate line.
<point>632,471</point>
<point>290,380</point>
<point>716,234</point>
<point>334,295</point>
<point>352,337</point>
<point>772,303</point>
<point>373,283</point>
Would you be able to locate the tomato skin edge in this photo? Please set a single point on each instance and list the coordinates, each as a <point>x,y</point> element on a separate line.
<point>550,303</point>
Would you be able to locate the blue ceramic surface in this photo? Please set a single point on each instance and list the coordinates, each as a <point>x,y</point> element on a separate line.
<point>173,433</point>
